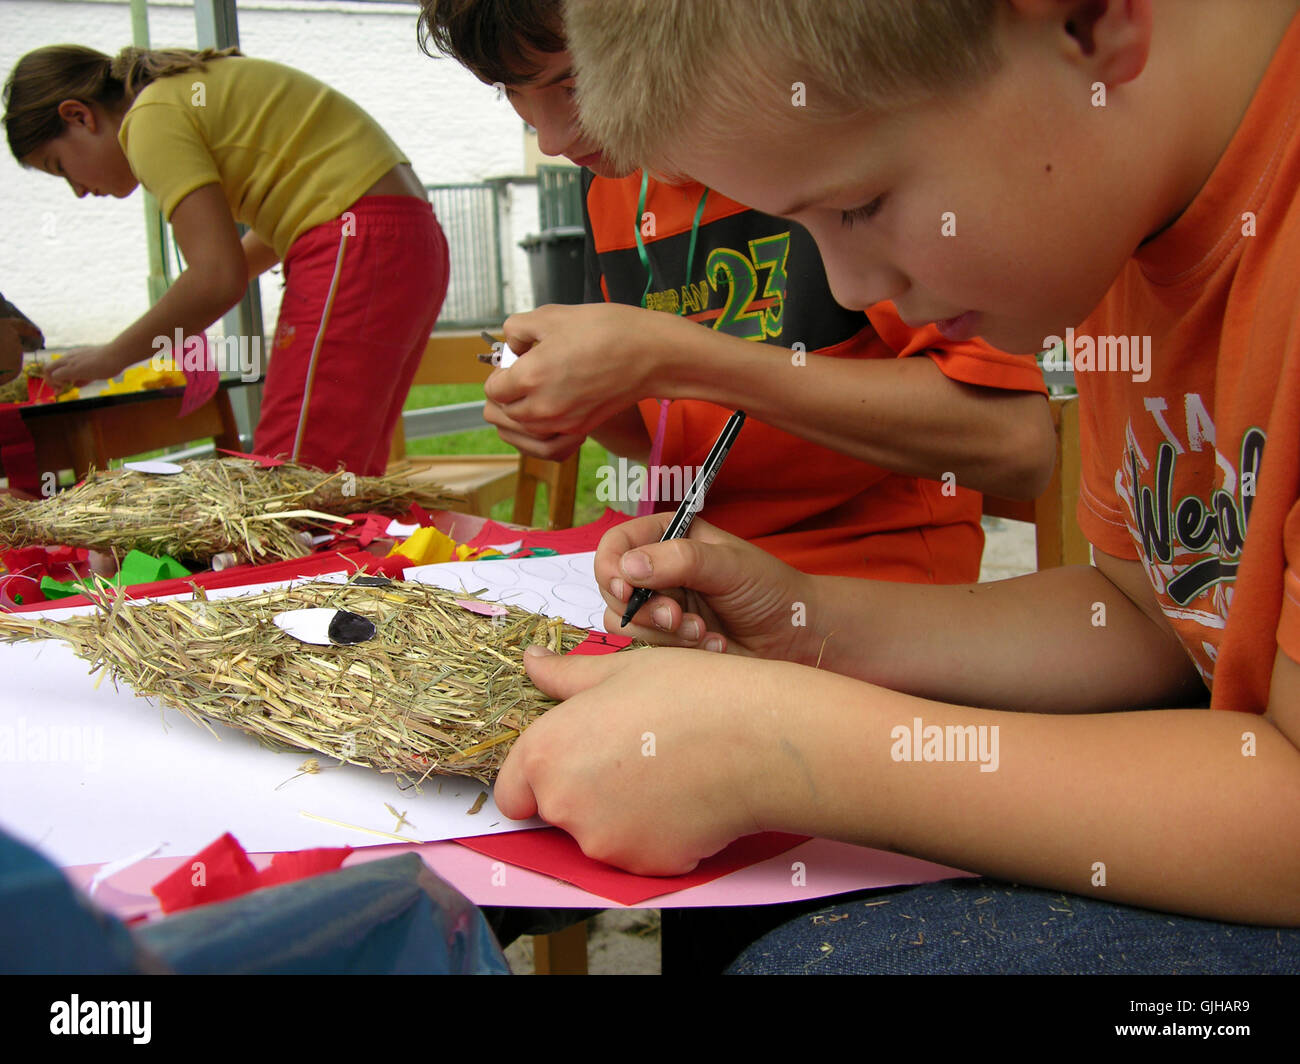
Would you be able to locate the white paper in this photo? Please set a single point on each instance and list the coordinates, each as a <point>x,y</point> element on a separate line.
<point>507,548</point>
<point>561,585</point>
<point>155,467</point>
<point>90,775</point>
<point>400,531</point>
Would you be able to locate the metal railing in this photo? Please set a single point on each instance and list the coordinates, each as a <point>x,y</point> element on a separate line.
<point>469,218</point>
<point>559,196</point>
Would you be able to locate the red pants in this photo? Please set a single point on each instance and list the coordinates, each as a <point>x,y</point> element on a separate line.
<point>392,281</point>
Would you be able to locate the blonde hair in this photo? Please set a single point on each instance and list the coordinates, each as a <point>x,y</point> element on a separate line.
<point>653,71</point>
<point>44,78</point>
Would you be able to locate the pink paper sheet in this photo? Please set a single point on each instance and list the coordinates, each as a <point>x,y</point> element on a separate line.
<point>553,852</point>
<point>817,868</point>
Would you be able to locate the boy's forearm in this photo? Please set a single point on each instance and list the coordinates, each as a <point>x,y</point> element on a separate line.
<point>1058,641</point>
<point>1173,809</point>
<point>899,414</point>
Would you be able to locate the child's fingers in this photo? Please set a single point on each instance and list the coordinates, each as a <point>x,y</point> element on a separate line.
<point>512,792</point>
<point>709,569</point>
<point>562,676</point>
<point>660,616</point>
<point>662,620</point>
<point>524,329</point>
<point>622,538</point>
<point>503,387</point>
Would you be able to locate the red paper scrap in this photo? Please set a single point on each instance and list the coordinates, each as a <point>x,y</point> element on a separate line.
<point>554,853</point>
<point>20,584</point>
<point>18,451</point>
<point>222,871</point>
<point>602,643</point>
<point>201,384</point>
<point>563,540</point>
<point>264,461</point>
<point>418,515</point>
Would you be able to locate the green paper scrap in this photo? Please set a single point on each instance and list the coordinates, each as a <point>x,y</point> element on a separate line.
<point>137,568</point>
<point>522,552</point>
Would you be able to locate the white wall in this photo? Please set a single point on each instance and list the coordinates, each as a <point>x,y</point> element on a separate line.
<point>79,268</point>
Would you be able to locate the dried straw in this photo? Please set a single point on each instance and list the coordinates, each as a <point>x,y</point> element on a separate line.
<point>16,391</point>
<point>438,688</point>
<point>216,505</point>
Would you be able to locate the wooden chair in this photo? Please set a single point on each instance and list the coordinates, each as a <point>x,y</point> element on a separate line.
<point>1059,538</point>
<point>486,479</point>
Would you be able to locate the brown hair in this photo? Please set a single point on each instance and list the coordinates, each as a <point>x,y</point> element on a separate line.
<point>651,72</point>
<point>44,78</point>
<point>490,38</point>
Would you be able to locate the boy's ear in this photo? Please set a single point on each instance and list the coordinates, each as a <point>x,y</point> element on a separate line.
<point>1113,37</point>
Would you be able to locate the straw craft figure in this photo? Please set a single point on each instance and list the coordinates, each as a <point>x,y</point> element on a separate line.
<point>215,506</point>
<point>437,688</point>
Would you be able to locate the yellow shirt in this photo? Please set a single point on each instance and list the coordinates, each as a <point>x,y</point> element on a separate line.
<point>289,151</point>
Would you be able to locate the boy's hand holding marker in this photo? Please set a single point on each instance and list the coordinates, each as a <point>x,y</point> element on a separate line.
<point>692,503</point>
<point>713,591</point>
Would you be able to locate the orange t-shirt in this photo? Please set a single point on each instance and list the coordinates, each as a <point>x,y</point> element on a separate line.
<point>761,278</point>
<point>1174,468</point>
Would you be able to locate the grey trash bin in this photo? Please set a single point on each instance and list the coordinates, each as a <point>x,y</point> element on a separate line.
<point>555,264</point>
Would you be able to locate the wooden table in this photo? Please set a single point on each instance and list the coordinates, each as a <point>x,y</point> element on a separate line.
<point>82,433</point>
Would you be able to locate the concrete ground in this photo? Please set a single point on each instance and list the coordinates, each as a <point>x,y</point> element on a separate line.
<point>626,941</point>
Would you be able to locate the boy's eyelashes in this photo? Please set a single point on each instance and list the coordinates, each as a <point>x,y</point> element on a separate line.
<point>862,214</point>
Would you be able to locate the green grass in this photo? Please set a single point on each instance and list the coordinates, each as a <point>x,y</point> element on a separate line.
<point>486,441</point>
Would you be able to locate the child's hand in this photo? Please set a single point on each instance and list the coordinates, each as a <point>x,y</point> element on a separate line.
<point>584,364</point>
<point>719,592</point>
<point>83,365</point>
<point>653,761</point>
<point>13,331</point>
<point>552,447</point>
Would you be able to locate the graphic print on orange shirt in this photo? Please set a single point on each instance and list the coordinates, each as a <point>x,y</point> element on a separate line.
<point>1190,549</point>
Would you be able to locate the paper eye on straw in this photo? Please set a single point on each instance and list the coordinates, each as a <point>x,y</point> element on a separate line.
<point>325,627</point>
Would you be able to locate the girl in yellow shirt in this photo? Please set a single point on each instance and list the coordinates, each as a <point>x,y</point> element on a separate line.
<point>221,138</point>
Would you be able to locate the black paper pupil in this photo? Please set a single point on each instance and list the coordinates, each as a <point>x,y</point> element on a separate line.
<point>348,628</point>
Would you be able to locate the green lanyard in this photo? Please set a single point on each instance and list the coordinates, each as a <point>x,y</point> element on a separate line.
<point>657,441</point>
<point>640,244</point>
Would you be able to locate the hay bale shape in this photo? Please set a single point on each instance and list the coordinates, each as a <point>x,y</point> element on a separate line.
<point>437,689</point>
<point>214,506</point>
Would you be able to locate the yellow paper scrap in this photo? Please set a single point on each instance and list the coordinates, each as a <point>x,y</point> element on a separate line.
<point>426,547</point>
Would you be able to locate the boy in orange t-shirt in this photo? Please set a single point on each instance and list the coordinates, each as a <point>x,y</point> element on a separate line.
<point>867,442</point>
<point>1058,137</point>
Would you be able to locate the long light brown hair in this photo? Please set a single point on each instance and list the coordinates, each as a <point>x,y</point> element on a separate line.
<point>44,78</point>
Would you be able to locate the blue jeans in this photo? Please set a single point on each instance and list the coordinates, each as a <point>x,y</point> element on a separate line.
<point>387,917</point>
<point>969,926</point>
